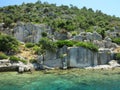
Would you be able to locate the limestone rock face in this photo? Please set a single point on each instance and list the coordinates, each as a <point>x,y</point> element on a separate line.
<point>29,32</point>
<point>56,63</point>
<point>82,57</point>
<point>77,57</point>
<point>104,56</point>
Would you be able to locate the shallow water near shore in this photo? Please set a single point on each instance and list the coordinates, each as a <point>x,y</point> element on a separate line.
<point>73,79</point>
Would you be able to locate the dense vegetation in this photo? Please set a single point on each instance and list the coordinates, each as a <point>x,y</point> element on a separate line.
<point>16,59</point>
<point>118,57</point>
<point>3,56</point>
<point>70,43</point>
<point>47,44</point>
<point>69,18</point>
<point>116,40</point>
<point>8,44</point>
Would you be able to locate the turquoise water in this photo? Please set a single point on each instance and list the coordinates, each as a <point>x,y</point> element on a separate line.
<point>75,79</point>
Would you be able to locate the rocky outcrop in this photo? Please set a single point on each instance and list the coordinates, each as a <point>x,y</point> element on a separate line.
<point>105,44</point>
<point>30,32</point>
<point>113,33</point>
<point>88,36</point>
<point>96,39</point>
<point>7,65</point>
<point>82,57</point>
<point>77,57</point>
<point>114,63</point>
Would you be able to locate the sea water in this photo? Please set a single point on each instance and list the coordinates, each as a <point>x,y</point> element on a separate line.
<point>73,79</point>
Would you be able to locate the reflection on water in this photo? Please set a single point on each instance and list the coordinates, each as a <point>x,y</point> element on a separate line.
<point>74,79</point>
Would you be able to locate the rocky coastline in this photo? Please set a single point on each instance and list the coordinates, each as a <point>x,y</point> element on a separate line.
<point>65,57</point>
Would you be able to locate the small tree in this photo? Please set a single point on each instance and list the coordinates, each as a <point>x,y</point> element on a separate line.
<point>8,44</point>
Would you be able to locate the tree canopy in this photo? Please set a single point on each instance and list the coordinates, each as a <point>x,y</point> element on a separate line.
<point>70,18</point>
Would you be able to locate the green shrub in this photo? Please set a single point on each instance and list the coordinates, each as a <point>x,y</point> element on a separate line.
<point>118,57</point>
<point>3,56</point>
<point>24,61</point>
<point>61,43</point>
<point>44,34</point>
<point>16,59</point>
<point>116,40</point>
<point>47,44</point>
<point>88,45</point>
<point>8,44</point>
<point>29,45</point>
<point>37,49</point>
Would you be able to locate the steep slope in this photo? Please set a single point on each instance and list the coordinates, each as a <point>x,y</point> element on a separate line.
<point>59,17</point>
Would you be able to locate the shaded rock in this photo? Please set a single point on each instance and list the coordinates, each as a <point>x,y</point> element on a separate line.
<point>61,35</point>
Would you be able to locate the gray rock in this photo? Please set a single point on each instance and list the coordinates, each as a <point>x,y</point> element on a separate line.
<point>104,56</point>
<point>88,36</point>
<point>21,69</point>
<point>81,57</point>
<point>78,38</point>
<point>29,32</point>
<point>78,57</point>
<point>108,39</point>
<point>113,63</point>
<point>96,36</point>
<point>54,63</point>
<point>61,35</point>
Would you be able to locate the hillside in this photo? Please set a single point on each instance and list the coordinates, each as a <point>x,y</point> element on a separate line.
<point>69,18</point>
<point>46,36</point>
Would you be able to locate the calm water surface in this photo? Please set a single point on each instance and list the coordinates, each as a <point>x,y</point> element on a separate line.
<point>74,79</point>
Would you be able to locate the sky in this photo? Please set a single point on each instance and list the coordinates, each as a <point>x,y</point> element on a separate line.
<point>110,7</point>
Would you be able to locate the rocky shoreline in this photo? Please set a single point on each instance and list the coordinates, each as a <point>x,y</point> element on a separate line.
<point>6,65</point>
